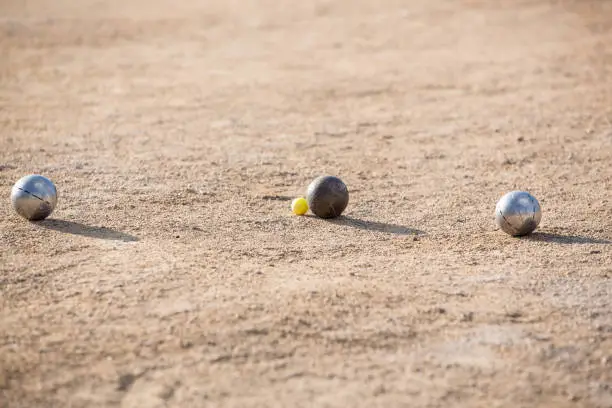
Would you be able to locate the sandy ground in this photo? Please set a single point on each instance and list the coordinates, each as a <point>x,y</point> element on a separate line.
<point>172,273</point>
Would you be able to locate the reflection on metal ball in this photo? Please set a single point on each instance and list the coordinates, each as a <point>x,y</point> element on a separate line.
<point>34,197</point>
<point>518,213</point>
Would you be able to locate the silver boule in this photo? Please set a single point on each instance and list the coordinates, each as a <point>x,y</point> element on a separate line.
<point>34,197</point>
<point>327,196</point>
<point>518,213</point>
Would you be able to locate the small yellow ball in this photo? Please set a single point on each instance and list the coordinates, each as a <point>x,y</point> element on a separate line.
<point>299,206</point>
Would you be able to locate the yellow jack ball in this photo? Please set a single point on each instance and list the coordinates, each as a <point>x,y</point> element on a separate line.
<point>299,206</point>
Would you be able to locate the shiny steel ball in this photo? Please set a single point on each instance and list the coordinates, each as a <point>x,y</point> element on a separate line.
<point>327,196</point>
<point>518,213</point>
<point>34,197</point>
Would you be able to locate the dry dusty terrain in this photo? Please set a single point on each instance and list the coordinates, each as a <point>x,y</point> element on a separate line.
<point>172,273</point>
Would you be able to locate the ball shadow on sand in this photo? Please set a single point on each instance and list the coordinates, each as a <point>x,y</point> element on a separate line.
<point>375,226</point>
<point>75,228</point>
<point>564,239</point>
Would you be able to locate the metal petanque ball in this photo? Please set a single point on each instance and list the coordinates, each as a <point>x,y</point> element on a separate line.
<point>327,196</point>
<point>34,197</point>
<point>518,213</point>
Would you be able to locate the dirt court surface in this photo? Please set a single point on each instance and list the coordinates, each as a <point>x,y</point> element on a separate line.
<point>172,273</point>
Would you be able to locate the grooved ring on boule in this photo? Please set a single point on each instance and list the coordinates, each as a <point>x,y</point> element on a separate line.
<point>327,196</point>
<point>34,197</point>
<point>518,213</point>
